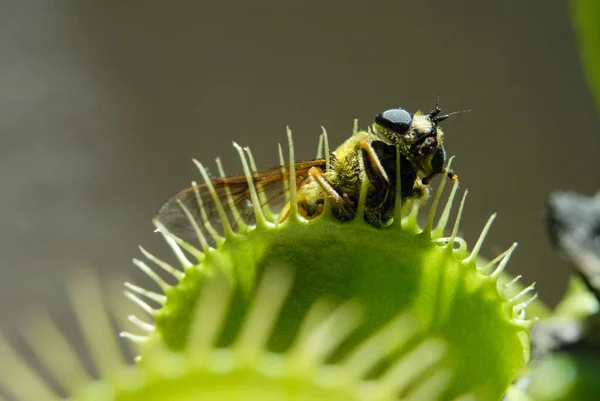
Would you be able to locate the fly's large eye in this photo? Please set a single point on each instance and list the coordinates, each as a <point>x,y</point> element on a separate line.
<point>396,120</point>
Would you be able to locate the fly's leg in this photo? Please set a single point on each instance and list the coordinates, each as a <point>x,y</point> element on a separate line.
<point>284,214</point>
<point>340,202</point>
<point>373,167</point>
<point>302,210</point>
<point>343,207</point>
<point>449,173</point>
<point>337,199</point>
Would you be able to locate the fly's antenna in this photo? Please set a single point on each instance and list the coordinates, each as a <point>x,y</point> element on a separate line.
<point>434,113</point>
<point>436,118</point>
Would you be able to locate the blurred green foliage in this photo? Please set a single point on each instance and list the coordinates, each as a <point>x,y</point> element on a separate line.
<point>586,22</point>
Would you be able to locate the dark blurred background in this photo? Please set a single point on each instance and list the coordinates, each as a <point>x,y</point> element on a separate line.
<point>102,107</point>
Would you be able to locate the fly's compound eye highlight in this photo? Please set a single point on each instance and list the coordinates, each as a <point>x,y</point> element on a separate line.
<point>396,120</point>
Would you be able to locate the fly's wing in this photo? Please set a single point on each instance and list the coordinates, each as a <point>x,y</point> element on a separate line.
<point>233,192</point>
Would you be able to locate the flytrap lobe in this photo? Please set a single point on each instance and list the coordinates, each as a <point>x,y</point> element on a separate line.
<point>245,370</point>
<point>340,252</point>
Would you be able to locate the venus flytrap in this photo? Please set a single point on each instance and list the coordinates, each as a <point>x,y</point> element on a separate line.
<point>386,270</point>
<point>300,309</point>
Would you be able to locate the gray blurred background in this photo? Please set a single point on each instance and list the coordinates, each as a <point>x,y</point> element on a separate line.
<point>102,107</point>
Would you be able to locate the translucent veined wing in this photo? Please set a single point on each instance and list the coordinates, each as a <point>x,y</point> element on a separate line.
<point>233,192</point>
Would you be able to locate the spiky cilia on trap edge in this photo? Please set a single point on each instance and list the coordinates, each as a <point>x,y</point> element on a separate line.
<point>371,156</point>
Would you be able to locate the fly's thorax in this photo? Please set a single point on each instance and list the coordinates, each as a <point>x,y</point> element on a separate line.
<point>345,170</point>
